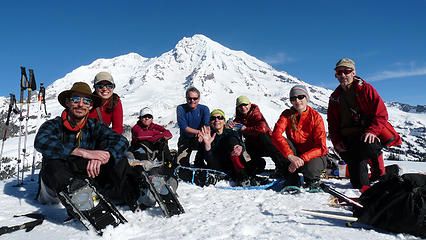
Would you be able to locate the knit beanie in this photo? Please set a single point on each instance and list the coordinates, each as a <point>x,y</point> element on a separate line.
<point>218,111</point>
<point>299,90</point>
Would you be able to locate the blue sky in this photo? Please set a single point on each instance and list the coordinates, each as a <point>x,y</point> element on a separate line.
<point>304,38</point>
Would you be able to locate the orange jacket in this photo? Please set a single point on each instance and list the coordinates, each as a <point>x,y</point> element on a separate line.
<point>309,140</point>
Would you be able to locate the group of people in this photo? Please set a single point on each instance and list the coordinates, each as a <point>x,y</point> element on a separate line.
<point>79,143</point>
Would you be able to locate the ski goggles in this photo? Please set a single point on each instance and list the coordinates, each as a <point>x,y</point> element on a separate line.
<point>300,97</point>
<point>102,85</point>
<point>76,100</point>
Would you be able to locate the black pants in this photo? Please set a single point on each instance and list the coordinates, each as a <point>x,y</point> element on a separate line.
<point>356,157</point>
<point>261,146</point>
<point>161,146</point>
<point>118,181</point>
<point>185,148</point>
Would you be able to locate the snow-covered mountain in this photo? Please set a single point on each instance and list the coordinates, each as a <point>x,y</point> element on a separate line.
<point>221,74</point>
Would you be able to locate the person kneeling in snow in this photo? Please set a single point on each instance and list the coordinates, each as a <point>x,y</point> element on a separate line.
<point>222,150</point>
<point>77,147</point>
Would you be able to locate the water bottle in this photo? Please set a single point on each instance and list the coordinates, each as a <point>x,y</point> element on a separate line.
<point>342,169</point>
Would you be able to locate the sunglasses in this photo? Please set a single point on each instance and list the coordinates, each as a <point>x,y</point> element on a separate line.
<point>192,98</point>
<point>76,100</point>
<point>346,71</point>
<point>242,105</point>
<point>212,118</point>
<point>147,116</point>
<point>102,85</point>
<point>300,97</point>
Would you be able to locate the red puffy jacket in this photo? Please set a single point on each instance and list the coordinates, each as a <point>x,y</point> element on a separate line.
<point>368,100</point>
<point>309,139</point>
<point>254,121</point>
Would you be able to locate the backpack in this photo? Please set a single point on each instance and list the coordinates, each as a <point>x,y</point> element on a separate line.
<point>396,204</point>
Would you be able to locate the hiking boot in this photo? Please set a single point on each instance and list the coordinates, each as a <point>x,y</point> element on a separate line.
<point>291,190</point>
<point>277,174</point>
<point>313,186</point>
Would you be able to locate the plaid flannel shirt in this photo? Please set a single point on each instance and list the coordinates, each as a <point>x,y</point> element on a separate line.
<point>55,141</point>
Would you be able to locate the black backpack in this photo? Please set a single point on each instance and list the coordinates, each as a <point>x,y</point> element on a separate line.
<point>396,204</point>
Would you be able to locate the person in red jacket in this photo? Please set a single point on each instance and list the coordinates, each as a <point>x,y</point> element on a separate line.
<point>151,135</point>
<point>111,110</point>
<point>257,135</point>
<point>305,145</point>
<point>356,118</point>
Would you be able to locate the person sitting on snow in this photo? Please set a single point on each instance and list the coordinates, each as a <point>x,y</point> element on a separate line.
<point>222,150</point>
<point>257,135</point>
<point>77,147</point>
<point>150,136</point>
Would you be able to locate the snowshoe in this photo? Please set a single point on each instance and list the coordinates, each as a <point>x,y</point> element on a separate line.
<point>200,176</point>
<point>160,191</point>
<point>86,204</point>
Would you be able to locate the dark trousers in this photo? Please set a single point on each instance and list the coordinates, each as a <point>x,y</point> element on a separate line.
<point>118,181</point>
<point>185,148</point>
<point>356,157</point>
<point>161,146</point>
<point>261,146</point>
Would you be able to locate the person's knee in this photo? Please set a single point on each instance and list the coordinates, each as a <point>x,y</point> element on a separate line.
<point>370,150</point>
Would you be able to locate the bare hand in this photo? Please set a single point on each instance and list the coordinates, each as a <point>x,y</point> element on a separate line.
<point>207,137</point>
<point>231,124</point>
<point>93,168</point>
<point>238,150</point>
<point>296,162</point>
<point>369,137</point>
<point>100,155</point>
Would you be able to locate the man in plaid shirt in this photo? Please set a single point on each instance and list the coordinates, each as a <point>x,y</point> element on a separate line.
<point>75,146</point>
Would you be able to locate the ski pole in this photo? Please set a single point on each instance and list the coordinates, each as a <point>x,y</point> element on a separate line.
<point>24,86</point>
<point>11,109</point>
<point>31,86</point>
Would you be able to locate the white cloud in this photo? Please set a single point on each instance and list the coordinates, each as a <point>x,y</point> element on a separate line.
<point>278,58</point>
<point>398,74</point>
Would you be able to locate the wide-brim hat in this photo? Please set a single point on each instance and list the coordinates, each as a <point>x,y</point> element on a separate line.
<point>80,87</point>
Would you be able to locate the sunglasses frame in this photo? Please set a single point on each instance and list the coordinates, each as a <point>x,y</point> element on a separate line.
<point>86,100</point>
<point>345,71</point>
<point>107,85</point>
<point>212,118</point>
<point>192,99</point>
<point>300,97</point>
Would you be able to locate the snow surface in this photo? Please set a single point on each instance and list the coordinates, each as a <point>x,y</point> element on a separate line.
<point>210,213</point>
